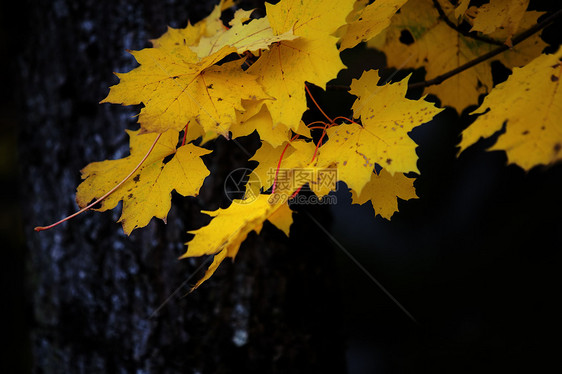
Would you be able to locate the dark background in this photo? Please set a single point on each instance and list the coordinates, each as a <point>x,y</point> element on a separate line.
<point>476,260</point>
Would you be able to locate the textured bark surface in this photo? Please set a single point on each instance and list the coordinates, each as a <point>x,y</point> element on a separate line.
<point>92,289</point>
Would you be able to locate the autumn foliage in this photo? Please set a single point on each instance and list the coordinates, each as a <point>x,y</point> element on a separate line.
<point>214,79</point>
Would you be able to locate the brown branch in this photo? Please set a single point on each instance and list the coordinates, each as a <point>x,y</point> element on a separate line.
<point>439,79</point>
<point>458,29</point>
<point>518,39</point>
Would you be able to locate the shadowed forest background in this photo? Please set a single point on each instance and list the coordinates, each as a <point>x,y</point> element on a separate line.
<point>476,260</point>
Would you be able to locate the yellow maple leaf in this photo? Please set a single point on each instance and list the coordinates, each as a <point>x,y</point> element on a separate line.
<point>180,38</point>
<point>256,117</point>
<point>314,57</point>
<point>148,192</point>
<point>297,154</point>
<point>387,118</point>
<point>252,37</point>
<point>383,189</point>
<point>189,36</point>
<point>177,86</point>
<point>308,19</point>
<point>282,218</point>
<point>264,125</point>
<point>267,157</point>
<point>369,22</point>
<point>439,48</point>
<point>176,91</point>
<point>529,103</point>
<point>296,169</point>
<point>499,15</point>
<point>230,227</point>
<point>245,121</point>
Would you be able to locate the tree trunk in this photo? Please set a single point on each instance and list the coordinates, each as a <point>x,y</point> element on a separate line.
<point>92,289</point>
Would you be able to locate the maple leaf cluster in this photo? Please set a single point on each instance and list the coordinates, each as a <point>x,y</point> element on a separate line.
<point>210,79</point>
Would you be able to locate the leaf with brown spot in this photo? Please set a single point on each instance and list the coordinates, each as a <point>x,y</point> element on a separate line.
<point>193,96</point>
<point>499,18</point>
<point>530,104</point>
<point>438,48</point>
<point>387,118</point>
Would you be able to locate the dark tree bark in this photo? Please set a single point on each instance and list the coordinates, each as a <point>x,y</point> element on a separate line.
<point>92,289</point>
